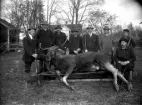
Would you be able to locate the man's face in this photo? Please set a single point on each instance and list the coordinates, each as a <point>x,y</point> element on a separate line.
<point>58,30</point>
<point>89,30</point>
<point>32,32</point>
<point>123,44</point>
<point>126,33</point>
<point>44,27</point>
<point>75,33</point>
<point>106,32</point>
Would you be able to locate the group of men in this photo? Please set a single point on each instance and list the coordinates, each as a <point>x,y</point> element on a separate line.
<point>123,55</point>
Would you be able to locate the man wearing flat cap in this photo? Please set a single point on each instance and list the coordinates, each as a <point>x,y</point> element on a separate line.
<point>90,41</point>
<point>126,34</point>
<point>60,38</point>
<point>45,36</point>
<point>45,39</point>
<point>75,43</point>
<point>125,58</point>
<point>30,46</point>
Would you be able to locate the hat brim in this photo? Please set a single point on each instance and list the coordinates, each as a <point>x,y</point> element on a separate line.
<point>31,29</point>
<point>74,31</point>
<point>58,28</point>
<point>89,28</point>
<point>125,30</point>
<point>125,40</point>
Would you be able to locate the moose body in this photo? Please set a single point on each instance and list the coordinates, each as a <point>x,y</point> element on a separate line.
<point>68,63</point>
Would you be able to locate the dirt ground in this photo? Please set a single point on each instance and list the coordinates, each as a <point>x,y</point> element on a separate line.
<point>14,92</point>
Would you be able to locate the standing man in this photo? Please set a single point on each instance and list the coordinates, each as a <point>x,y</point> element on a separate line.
<point>90,41</point>
<point>75,43</point>
<point>126,34</point>
<point>60,38</point>
<point>30,46</point>
<point>45,39</point>
<point>106,42</point>
<point>45,36</point>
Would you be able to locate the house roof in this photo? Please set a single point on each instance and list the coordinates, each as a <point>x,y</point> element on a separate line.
<point>6,24</point>
<point>70,26</point>
<point>75,27</point>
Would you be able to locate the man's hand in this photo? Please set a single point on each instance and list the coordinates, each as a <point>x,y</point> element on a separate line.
<point>126,62</point>
<point>76,52</point>
<point>86,50</point>
<point>120,62</point>
<point>78,49</point>
<point>35,55</point>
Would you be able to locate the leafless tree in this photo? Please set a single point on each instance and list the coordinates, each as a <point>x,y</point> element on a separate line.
<point>78,10</point>
<point>99,18</point>
<point>25,13</point>
<point>51,9</point>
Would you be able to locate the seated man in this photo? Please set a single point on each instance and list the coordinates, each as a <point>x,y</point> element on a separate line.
<point>30,46</point>
<point>125,58</point>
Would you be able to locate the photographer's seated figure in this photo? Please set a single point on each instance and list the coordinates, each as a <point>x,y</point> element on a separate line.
<point>125,58</point>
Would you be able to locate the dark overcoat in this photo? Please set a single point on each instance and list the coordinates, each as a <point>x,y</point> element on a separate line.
<point>74,43</point>
<point>29,48</point>
<point>45,37</point>
<point>91,43</point>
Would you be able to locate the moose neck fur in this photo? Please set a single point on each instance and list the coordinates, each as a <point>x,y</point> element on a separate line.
<point>59,55</point>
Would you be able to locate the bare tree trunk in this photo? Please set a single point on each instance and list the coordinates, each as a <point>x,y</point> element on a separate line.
<point>47,11</point>
<point>73,17</point>
<point>76,21</point>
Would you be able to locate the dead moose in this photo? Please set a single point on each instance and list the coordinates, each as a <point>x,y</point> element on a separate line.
<point>69,63</point>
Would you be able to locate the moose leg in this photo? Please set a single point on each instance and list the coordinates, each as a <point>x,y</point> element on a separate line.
<point>57,72</point>
<point>116,73</point>
<point>64,79</point>
<point>129,84</point>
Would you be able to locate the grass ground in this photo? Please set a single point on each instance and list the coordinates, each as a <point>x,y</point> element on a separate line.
<point>13,91</point>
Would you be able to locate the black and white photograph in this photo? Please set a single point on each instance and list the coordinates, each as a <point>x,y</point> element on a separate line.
<point>70,52</point>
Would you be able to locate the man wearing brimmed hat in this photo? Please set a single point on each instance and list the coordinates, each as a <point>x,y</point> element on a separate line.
<point>126,34</point>
<point>30,46</point>
<point>106,41</point>
<point>90,41</point>
<point>75,43</point>
<point>60,38</point>
<point>125,58</point>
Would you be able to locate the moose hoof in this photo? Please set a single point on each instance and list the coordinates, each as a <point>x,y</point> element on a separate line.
<point>130,86</point>
<point>117,87</point>
<point>38,83</point>
<point>72,88</point>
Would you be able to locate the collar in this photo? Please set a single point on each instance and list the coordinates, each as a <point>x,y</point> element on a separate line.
<point>124,49</point>
<point>90,34</point>
<point>31,37</point>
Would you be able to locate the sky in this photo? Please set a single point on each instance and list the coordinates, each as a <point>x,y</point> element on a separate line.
<point>126,10</point>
